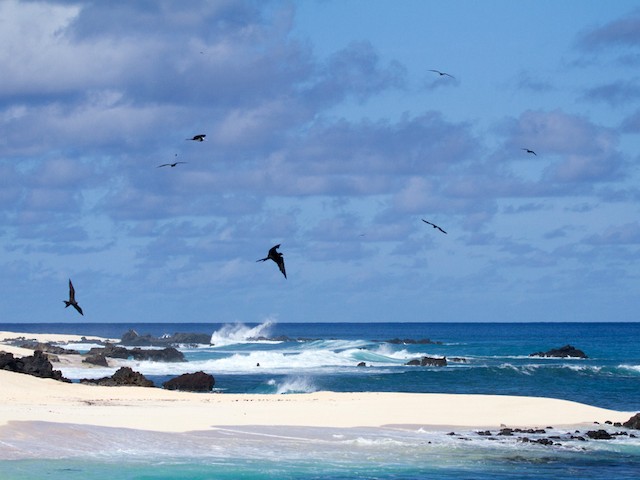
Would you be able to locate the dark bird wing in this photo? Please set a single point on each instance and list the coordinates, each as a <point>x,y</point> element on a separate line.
<point>77,307</point>
<point>434,225</point>
<point>72,292</point>
<point>441,229</point>
<point>164,165</point>
<point>198,138</point>
<point>280,262</point>
<point>273,252</point>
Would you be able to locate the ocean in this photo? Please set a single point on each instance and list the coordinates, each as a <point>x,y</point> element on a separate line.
<point>285,358</point>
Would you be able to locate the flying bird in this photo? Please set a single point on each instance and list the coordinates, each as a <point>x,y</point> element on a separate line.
<point>434,226</point>
<point>198,138</point>
<point>276,257</point>
<point>442,74</point>
<point>72,299</point>
<point>169,164</point>
<point>530,151</point>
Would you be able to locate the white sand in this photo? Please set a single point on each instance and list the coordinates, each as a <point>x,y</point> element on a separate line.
<point>27,398</point>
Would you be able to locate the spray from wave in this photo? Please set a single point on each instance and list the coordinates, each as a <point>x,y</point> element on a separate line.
<point>240,333</point>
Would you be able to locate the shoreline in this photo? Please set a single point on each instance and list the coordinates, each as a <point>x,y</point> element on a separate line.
<point>26,398</point>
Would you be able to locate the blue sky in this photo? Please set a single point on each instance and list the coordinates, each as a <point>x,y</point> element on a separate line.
<point>327,133</point>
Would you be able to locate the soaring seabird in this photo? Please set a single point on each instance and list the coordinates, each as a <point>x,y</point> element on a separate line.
<point>276,257</point>
<point>529,151</point>
<point>442,73</point>
<point>434,226</point>
<point>169,164</point>
<point>72,299</point>
<point>198,138</point>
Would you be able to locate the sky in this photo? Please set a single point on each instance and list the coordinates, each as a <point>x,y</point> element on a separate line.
<point>329,133</point>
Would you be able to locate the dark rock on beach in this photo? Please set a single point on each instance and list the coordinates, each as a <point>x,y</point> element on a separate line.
<point>133,339</point>
<point>124,376</point>
<point>567,351</point>
<point>98,359</point>
<point>47,348</point>
<point>191,382</point>
<point>633,422</point>
<point>37,365</point>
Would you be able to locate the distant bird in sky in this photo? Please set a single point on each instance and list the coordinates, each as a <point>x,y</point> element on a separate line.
<point>434,226</point>
<point>72,299</point>
<point>442,74</point>
<point>169,164</point>
<point>198,138</point>
<point>530,151</point>
<point>276,257</point>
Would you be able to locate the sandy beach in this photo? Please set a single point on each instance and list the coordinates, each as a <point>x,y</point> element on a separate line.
<point>27,398</point>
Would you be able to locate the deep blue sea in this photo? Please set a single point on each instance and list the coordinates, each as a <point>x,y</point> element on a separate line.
<point>483,358</point>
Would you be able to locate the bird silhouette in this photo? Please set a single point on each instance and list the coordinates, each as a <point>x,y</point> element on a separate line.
<point>434,226</point>
<point>72,299</point>
<point>442,74</point>
<point>276,257</point>
<point>169,164</point>
<point>529,151</point>
<point>198,138</point>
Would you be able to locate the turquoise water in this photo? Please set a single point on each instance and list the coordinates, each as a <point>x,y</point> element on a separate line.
<point>496,361</point>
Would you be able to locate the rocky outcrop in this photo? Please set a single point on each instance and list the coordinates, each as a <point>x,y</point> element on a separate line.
<point>633,422</point>
<point>124,376</point>
<point>98,359</point>
<point>47,348</point>
<point>567,351</point>
<point>169,354</point>
<point>133,339</point>
<point>191,382</point>
<point>428,362</point>
<point>37,365</point>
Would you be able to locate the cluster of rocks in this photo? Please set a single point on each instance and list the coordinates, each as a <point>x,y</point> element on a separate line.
<point>37,365</point>
<point>539,435</point>
<point>434,361</point>
<point>567,351</point>
<point>125,376</point>
<point>132,339</point>
<point>98,355</point>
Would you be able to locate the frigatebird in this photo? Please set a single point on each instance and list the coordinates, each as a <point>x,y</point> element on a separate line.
<point>169,164</point>
<point>529,151</point>
<point>434,226</point>
<point>198,138</point>
<point>72,299</point>
<point>442,74</point>
<point>276,257</point>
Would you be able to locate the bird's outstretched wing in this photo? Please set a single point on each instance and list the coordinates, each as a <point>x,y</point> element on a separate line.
<point>198,138</point>
<point>280,263</point>
<point>77,307</point>
<point>72,292</point>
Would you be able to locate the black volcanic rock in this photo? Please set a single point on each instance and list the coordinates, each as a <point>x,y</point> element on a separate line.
<point>169,354</point>
<point>124,376</point>
<point>133,339</point>
<point>37,365</point>
<point>633,422</point>
<point>428,362</point>
<point>98,359</point>
<point>191,382</point>
<point>563,352</point>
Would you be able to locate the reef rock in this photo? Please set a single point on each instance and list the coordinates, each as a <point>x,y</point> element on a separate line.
<point>428,362</point>
<point>133,339</point>
<point>191,382</point>
<point>563,352</point>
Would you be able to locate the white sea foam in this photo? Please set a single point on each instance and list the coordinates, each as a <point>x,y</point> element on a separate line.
<point>240,333</point>
<point>295,385</point>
